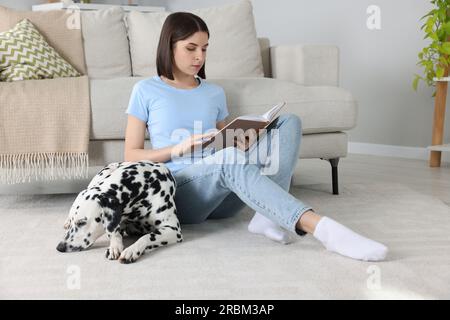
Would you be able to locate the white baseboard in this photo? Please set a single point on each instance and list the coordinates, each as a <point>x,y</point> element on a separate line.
<point>393,151</point>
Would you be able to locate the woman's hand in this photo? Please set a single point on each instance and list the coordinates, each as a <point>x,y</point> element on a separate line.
<point>187,145</point>
<point>245,140</point>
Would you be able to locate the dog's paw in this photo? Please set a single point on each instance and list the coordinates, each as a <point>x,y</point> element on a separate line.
<point>129,255</point>
<point>113,253</point>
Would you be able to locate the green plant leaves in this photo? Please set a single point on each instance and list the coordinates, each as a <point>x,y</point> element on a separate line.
<point>445,48</point>
<point>428,14</point>
<point>415,82</point>
<point>435,57</point>
<point>446,27</point>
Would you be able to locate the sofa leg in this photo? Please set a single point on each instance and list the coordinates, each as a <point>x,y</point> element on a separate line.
<point>334,174</point>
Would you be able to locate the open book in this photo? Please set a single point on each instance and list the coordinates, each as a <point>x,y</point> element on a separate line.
<point>227,136</point>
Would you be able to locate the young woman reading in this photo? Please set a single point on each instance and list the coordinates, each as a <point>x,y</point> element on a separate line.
<point>177,100</point>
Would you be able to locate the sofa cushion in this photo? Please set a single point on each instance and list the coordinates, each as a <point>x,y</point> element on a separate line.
<point>25,55</point>
<point>233,49</point>
<point>143,34</point>
<point>105,42</point>
<point>322,109</point>
<point>53,26</point>
<point>325,145</point>
<point>109,98</point>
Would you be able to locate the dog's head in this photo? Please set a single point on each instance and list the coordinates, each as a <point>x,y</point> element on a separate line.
<point>84,223</point>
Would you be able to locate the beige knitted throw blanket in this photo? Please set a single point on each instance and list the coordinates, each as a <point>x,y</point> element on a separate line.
<point>45,124</point>
<point>44,129</point>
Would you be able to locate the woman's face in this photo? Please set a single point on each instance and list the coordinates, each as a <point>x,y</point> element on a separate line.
<point>190,54</point>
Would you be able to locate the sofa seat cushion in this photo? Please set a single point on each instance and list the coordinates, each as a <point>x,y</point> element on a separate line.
<point>322,109</point>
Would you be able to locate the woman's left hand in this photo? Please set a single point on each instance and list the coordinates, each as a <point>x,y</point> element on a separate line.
<point>245,140</point>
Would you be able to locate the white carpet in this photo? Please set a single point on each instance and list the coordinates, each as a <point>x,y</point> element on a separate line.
<point>221,260</point>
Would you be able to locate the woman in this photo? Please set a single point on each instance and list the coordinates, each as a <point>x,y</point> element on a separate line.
<point>179,101</point>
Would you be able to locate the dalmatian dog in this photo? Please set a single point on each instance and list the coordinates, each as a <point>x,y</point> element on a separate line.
<point>132,198</point>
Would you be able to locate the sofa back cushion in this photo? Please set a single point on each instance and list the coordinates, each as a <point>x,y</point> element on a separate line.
<point>105,43</point>
<point>233,49</point>
<point>53,26</point>
<point>143,35</point>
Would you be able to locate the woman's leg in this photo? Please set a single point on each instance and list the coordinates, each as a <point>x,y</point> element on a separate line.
<point>340,239</point>
<point>231,204</point>
<point>280,149</point>
<point>200,196</point>
<point>203,186</point>
<point>284,150</point>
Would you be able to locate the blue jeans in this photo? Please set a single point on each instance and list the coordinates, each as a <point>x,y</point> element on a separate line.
<point>221,184</point>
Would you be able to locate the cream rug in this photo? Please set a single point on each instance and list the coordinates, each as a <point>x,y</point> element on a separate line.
<point>221,260</point>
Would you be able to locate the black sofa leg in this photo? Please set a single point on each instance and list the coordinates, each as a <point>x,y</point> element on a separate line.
<point>334,174</point>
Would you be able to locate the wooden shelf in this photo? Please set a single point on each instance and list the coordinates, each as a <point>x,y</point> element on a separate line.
<point>443,79</point>
<point>92,6</point>
<point>442,147</point>
<point>440,101</point>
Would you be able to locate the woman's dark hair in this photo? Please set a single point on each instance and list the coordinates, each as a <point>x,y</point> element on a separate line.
<point>177,26</point>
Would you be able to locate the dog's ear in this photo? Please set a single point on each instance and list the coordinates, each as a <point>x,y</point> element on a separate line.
<point>107,200</point>
<point>112,211</point>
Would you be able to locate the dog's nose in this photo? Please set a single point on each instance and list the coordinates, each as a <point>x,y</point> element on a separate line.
<point>61,247</point>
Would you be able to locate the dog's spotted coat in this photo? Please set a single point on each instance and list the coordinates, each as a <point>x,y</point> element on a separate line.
<point>132,198</point>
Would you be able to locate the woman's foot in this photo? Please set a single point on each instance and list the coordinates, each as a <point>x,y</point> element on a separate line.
<point>262,225</point>
<point>338,238</point>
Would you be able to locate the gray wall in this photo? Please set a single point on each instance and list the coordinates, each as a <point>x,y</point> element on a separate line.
<point>20,4</point>
<point>377,66</point>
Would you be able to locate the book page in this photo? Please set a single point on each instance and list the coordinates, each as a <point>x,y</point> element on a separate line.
<point>244,123</point>
<point>268,116</point>
<point>253,117</point>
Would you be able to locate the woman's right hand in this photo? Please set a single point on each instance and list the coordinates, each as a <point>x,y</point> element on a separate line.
<point>187,145</point>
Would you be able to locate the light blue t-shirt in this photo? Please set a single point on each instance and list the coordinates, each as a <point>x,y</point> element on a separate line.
<point>173,114</point>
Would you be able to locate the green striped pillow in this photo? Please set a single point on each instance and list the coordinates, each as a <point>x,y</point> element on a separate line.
<point>25,55</point>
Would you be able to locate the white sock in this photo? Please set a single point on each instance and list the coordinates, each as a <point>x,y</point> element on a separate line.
<point>262,225</point>
<point>338,238</point>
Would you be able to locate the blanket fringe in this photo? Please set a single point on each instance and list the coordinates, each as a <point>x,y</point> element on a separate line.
<point>20,168</point>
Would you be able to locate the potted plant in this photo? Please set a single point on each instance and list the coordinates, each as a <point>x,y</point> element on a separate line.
<point>435,59</point>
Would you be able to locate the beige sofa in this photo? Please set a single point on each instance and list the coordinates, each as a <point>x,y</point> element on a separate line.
<point>120,49</point>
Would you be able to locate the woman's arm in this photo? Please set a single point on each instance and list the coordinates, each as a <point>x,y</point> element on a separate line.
<point>134,144</point>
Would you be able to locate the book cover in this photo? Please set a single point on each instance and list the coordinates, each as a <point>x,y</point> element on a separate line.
<point>228,135</point>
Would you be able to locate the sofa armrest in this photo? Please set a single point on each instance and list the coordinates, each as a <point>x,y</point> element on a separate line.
<point>309,65</point>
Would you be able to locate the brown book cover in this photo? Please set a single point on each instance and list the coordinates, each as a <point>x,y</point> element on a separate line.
<point>228,135</point>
